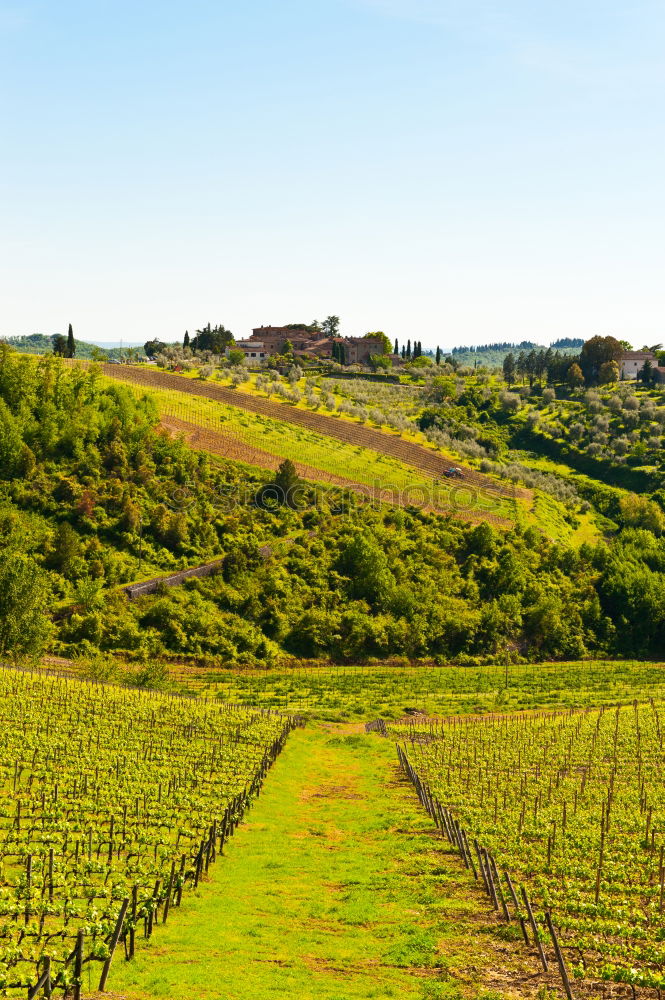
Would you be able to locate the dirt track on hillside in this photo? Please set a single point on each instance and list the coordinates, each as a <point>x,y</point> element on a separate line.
<point>230,447</point>
<point>434,464</point>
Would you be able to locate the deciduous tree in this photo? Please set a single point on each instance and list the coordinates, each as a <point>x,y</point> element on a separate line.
<point>595,353</point>
<point>574,376</point>
<point>212,338</point>
<point>24,596</point>
<point>59,345</point>
<point>609,373</point>
<point>384,340</point>
<point>330,326</point>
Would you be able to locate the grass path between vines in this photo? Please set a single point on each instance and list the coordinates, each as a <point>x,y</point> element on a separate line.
<point>336,887</point>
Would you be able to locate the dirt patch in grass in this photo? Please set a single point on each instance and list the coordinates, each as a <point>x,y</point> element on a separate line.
<point>335,792</point>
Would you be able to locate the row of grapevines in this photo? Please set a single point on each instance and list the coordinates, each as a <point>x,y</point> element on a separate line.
<point>106,795</point>
<point>572,805</point>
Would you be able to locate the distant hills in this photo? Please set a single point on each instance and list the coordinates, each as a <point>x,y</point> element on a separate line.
<point>40,343</point>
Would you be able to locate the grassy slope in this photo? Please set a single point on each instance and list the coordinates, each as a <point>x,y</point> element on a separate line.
<point>351,462</point>
<point>356,463</point>
<point>335,888</point>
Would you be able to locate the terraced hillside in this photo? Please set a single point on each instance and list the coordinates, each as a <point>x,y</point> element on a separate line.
<point>433,463</point>
<point>230,445</point>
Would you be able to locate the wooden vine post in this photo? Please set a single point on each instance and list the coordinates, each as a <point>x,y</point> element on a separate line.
<point>113,943</point>
<point>534,931</point>
<point>78,965</point>
<point>559,956</point>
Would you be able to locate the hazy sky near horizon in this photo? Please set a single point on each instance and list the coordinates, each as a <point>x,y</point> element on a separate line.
<point>455,171</point>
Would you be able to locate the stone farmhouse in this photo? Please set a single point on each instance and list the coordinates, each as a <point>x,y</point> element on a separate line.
<point>254,350</point>
<point>269,340</point>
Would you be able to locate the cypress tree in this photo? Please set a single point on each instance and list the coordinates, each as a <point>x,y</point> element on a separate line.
<point>509,368</point>
<point>286,481</point>
<point>71,344</point>
<point>185,342</point>
<point>438,355</point>
<point>408,348</point>
<point>396,351</point>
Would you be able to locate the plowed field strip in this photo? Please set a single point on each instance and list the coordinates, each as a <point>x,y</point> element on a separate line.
<point>231,447</point>
<point>434,464</point>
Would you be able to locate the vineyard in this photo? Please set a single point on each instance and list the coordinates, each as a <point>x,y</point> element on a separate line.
<point>372,463</point>
<point>114,803</point>
<point>346,692</point>
<point>569,809</point>
<point>264,442</point>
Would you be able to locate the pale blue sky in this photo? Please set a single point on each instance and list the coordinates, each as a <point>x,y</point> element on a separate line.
<point>454,171</point>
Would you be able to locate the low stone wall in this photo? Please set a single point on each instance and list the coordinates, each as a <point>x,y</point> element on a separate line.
<point>134,590</point>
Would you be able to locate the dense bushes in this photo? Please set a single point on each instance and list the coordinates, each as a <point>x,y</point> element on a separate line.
<point>384,584</point>
<point>93,495</point>
<point>88,483</point>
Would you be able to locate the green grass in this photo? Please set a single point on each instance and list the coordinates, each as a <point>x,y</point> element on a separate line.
<point>549,515</point>
<point>589,529</point>
<point>362,465</point>
<point>288,441</point>
<point>334,889</point>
